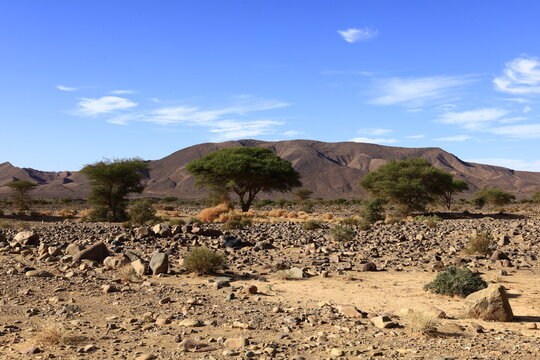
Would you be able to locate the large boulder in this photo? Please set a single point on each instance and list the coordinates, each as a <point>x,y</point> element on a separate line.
<point>97,252</point>
<point>27,238</point>
<point>489,304</point>
<point>159,264</point>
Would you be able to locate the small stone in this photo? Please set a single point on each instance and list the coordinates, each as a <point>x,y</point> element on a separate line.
<point>236,343</point>
<point>97,252</point>
<point>109,288</point>
<point>159,263</point>
<point>190,323</point>
<point>369,266</point>
<point>383,322</point>
<point>38,273</point>
<point>140,267</point>
<point>252,289</point>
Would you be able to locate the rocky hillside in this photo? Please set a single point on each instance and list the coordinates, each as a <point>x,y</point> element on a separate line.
<point>331,170</point>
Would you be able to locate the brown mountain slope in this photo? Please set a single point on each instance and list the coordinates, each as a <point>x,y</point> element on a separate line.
<point>331,170</point>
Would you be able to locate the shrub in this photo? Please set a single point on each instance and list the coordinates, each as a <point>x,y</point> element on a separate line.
<point>203,260</point>
<point>495,197</point>
<point>430,221</point>
<point>178,222</point>
<point>421,322</point>
<point>141,211</point>
<point>237,224</point>
<point>373,210</point>
<point>350,221</point>
<point>342,233</point>
<point>536,197</point>
<point>458,281</point>
<point>327,216</point>
<point>479,244</point>
<point>210,214</point>
<point>194,220</point>
<point>52,334</point>
<point>276,213</point>
<point>307,206</point>
<point>312,225</point>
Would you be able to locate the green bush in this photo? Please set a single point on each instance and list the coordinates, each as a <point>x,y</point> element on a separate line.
<point>179,222</point>
<point>373,210</point>
<point>141,211</point>
<point>306,206</point>
<point>479,244</point>
<point>312,225</point>
<point>430,221</point>
<point>495,197</point>
<point>350,221</point>
<point>456,281</point>
<point>342,233</point>
<point>203,260</point>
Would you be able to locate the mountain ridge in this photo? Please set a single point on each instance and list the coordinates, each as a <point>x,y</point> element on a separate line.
<point>330,169</point>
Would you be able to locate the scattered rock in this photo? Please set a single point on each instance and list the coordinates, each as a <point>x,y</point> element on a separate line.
<point>489,304</point>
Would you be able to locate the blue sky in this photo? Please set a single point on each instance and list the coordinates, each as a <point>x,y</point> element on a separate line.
<point>85,80</point>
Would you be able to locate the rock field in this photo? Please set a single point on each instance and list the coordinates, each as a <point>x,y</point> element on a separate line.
<point>102,291</point>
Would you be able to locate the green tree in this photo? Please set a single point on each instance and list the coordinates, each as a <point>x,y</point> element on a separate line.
<point>111,182</point>
<point>493,196</point>
<point>19,193</point>
<point>302,194</point>
<point>246,171</point>
<point>448,191</point>
<point>410,184</point>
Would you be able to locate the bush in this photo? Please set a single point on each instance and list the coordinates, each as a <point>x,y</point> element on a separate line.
<point>479,244</point>
<point>430,221</point>
<point>350,221</point>
<point>203,260</point>
<point>233,224</point>
<point>312,225</point>
<point>373,210</point>
<point>210,214</point>
<point>458,281</point>
<point>307,206</point>
<point>342,233</point>
<point>421,322</point>
<point>495,197</point>
<point>141,211</point>
<point>177,222</point>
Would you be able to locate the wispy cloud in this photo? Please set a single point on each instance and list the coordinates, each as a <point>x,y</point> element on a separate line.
<point>122,92</point>
<point>520,76</point>
<point>353,35</point>
<point>419,136</point>
<point>414,92</point>
<point>374,131</point>
<point>456,138</point>
<point>473,119</point>
<point>66,88</point>
<point>227,122</point>
<point>374,140</point>
<point>516,164</point>
<point>525,131</point>
<point>103,105</point>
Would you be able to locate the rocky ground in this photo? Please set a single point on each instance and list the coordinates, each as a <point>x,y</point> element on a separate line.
<point>285,293</point>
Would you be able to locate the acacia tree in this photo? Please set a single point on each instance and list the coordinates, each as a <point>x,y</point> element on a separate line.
<point>493,196</point>
<point>410,184</point>
<point>111,182</point>
<point>245,171</point>
<point>448,191</point>
<point>19,193</point>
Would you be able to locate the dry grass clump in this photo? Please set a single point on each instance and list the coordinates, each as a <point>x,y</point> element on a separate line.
<point>292,215</point>
<point>421,322</point>
<point>203,260</point>
<point>479,244</point>
<point>127,274</point>
<point>327,216</point>
<point>67,213</point>
<point>211,214</point>
<point>276,213</point>
<point>52,335</point>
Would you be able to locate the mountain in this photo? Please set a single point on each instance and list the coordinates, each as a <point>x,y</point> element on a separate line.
<point>331,170</point>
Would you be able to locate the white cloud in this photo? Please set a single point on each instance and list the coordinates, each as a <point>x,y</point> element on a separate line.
<point>122,92</point>
<point>528,131</point>
<point>292,133</point>
<point>230,129</point>
<point>473,119</point>
<point>65,88</point>
<point>375,140</point>
<point>374,131</point>
<point>103,105</point>
<point>516,164</point>
<point>353,35</point>
<point>527,109</point>
<point>456,138</point>
<point>419,136</point>
<point>413,92</point>
<point>520,76</point>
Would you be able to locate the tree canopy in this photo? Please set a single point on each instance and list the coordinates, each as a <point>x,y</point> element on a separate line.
<point>493,196</point>
<point>411,184</point>
<point>19,192</point>
<point>111,181</point>
<point>245,171</point>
